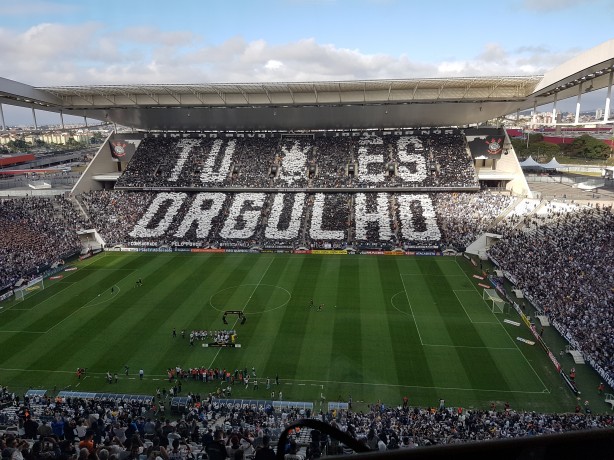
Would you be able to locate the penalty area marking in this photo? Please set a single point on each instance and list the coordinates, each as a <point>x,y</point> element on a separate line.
<point>274,286</point>
<point>397,308</point>
<point>84,307</point>
<point>445,345</point>
<point>115,292</point>
<point>410,309</point>
<point>508,334</point>
<point>467,313</point>
<point>39,303</point>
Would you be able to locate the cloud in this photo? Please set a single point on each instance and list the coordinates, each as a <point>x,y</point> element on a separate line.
<point>558,5</point>
<point>493,52</point>
<point>152,35</point>
<point>35,7</point>
<point>149,55</point>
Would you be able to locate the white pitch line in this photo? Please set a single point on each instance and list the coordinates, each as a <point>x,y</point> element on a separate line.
<point>313,382</point>
<point>40,303</point>
<point>466,313</point>
<point>391,385</point>
<point>23,332</point>
<point>508,334</point>
<point>467,346</point>
<point>244,307</point>
<point>412,310</point>
<point>85,306</point>
<point>114,294</point>
<point>462,306</point>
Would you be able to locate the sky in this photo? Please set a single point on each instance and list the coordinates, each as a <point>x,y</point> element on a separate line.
<point>79,42</point>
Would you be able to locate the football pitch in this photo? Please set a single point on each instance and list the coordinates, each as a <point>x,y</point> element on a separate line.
<point>389,327</point>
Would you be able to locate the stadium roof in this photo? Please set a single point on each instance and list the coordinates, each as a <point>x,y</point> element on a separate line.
<point>318,105</point>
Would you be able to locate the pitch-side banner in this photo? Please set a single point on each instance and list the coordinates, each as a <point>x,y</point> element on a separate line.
<point>329,251</point>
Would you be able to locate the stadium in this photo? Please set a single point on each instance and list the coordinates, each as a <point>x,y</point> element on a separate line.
<point>364,253</point>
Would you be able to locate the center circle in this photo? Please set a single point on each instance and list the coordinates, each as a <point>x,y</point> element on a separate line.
<point>253,298</point>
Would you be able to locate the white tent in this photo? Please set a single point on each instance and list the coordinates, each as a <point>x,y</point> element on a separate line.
<point>530,163</point>
<point>553,164</point>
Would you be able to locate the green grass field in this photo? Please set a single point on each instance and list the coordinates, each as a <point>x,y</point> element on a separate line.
<point>391,326</point>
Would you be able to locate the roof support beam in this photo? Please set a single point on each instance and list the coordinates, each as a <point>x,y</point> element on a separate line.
<point>154,97</point>
<point>108,98</point>
<point>494,88</point>
<point>291,94</point>
<point>220,94</point>
<point>129,95</point>
<point>413,95</point>
<point>197,94</point>
<point>266,91</point>
<point>441,88</point>
<point>173,94</point>
<point>468,87</point>
<point>245,96</point>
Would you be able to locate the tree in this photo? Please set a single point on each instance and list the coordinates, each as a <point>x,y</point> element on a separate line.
<point>588,147</point>
<point>536,138</point>
<point>17,144</point>
<point>535,149</point>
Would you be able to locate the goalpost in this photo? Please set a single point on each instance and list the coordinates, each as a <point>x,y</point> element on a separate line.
<point>33,286</point>
<point>492,299</point>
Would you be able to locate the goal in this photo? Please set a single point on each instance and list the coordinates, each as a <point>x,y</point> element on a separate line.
<point>33,286</point>
<point>492,299</point>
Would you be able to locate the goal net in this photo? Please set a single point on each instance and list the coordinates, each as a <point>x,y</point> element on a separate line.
<point>32,287</point>
<point>492,299</point>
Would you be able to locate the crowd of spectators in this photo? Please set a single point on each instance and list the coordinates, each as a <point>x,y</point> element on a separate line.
<point>412,427</point>
<point>284,215</point>
<point>36,232</point>
<point>563,265</point>
<point>463,217</point>
<point>149,164</point>
<point>331,158</point>
<point>370,160</point>
<point>114,213</point>
<point>330,220</point>
<point>60,428</point>
<point>293,220</point>
<point>374,219</point>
